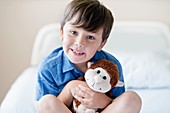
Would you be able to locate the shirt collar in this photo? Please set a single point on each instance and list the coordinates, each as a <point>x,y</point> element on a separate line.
<point>67,64</point>
<point>97,57</point>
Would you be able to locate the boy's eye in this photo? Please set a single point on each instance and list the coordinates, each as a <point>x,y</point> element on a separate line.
<point>73,32</point>
<point>91,37</point>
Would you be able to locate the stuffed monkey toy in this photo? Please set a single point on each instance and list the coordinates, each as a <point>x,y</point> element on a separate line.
<point>101,76</point>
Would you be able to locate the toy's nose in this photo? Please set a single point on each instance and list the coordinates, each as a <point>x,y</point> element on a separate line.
<point>98,78</point>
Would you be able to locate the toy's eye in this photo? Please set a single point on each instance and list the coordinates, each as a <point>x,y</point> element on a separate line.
<point>98,71</point>
<point>104,77</point>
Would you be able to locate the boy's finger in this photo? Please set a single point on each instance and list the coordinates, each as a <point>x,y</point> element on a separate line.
<point>85,89</point>
<point>82,100</point>
<point>81,93</point>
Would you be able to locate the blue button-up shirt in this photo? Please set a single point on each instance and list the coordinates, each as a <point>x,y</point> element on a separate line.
<point>55,71</point>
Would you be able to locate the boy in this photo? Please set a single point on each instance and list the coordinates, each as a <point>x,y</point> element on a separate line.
<point>84,30</point>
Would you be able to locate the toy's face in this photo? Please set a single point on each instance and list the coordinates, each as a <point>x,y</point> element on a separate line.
<point>98,80</point>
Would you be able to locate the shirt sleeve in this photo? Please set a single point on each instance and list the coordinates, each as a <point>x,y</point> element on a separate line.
<point>45,83</point>
<point>117,91</point>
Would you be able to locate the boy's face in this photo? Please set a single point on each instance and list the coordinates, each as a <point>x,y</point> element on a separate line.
<point>80,45</point>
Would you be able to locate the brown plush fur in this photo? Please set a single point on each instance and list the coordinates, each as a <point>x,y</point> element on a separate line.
<point>111,69</point>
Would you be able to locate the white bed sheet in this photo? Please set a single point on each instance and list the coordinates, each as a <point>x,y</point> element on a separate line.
<point>20,97</point>
<point>155,100</point>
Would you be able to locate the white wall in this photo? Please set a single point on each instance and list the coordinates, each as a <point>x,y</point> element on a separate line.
<point>21,19</point>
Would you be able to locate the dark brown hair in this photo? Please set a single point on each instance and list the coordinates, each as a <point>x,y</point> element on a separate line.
<point>91,14</point>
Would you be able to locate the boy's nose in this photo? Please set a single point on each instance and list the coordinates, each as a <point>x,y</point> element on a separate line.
<point>80,42</point>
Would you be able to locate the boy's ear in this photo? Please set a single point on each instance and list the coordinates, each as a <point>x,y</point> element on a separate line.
<point>61,32</point>
<point>102,45</point>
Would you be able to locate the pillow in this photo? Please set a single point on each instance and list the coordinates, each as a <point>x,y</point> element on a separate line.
<point>149,69</point>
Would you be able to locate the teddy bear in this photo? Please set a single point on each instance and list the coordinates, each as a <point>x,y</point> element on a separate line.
<point>100,76</point>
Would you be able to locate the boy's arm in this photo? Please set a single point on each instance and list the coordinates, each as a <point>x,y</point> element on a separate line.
<point>90,98</point>
<point>84,94</point>
<point>66,95</point>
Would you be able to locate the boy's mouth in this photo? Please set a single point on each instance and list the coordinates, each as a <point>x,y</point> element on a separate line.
<point>77,52</point>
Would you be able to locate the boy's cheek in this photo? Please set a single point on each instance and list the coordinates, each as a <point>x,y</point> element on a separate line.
<point>102,45</point>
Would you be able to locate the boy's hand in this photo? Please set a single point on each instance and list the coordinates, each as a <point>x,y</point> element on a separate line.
<point>90,98</point>
<point>66,95</point>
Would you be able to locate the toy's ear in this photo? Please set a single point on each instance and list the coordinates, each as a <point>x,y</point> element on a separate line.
<point>119,84</point>
<point>89,64</point>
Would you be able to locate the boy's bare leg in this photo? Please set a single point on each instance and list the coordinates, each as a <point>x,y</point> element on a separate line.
<point>128,102</point>
<point>51,104</point>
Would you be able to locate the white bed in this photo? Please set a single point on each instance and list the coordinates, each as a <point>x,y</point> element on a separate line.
<point>141,47</point>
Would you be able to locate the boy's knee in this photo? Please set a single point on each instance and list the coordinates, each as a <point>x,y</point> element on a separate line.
<point>46,103</point>
<point>132,100</point>
<point>133,97</point>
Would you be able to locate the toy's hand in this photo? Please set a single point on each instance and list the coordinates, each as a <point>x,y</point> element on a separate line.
<point>90,98</point>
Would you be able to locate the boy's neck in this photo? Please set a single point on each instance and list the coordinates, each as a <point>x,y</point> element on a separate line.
<point>82,67</point>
